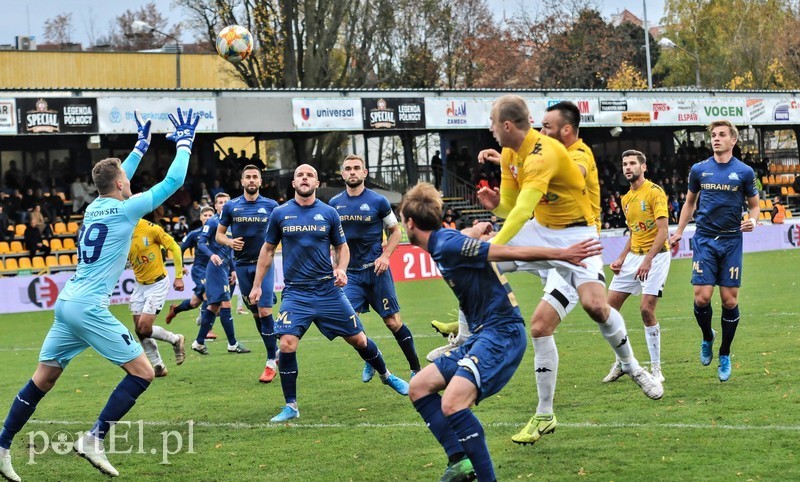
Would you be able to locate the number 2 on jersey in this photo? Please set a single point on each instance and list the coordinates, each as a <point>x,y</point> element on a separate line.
<point>92,237</point>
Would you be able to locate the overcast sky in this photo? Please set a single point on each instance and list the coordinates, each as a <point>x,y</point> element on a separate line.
<point>27,17</point>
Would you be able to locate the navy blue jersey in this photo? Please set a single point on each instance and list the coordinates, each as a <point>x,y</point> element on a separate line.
<point>247,220</point>
<point>483,293</point>
<point>723,189</point>
<point>307,233</point>
<point>191,240</point>
<point>207,243</point>
<point>362,220</point>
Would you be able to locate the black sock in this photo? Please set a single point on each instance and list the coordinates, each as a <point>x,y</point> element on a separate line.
<point>730,321</point>
<point>703,316</point>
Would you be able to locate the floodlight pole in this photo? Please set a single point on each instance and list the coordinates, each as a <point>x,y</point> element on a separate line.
<point>647,47</point>
<point>144,27</point>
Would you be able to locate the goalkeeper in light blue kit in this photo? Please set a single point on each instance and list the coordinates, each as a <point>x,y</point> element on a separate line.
<point>82,317</point>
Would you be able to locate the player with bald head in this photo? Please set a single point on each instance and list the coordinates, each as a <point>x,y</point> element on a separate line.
<point>307,228</point>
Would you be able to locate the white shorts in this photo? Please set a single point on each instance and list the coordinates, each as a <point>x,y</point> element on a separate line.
<point>558,293</point>
<point>534,234</point>
<point>149,299</point>
<point>626,281</point>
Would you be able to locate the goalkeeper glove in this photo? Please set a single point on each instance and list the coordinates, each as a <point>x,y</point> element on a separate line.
<point>143,131</point>
<point>184,129</point>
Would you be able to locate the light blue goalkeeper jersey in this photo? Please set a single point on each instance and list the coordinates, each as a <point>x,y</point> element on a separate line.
<point>105,237</point>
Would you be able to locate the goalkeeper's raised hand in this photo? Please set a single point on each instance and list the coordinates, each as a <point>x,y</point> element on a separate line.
<point>184,129</point>
<point>143,137</point>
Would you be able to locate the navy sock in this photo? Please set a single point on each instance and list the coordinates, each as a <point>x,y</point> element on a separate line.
<point>226,319</point>
<point>185,305</point>
<point>206,322</point>
<point>703,316</point>
<point>266,326</point>
<point>406,342</point>
<point>430,409</point>
<point>730,321</point>
<point>470,435</point>
<point>21,410</point>
<point>122,399</point>
<point>371,355</point>
<point>288,370</point>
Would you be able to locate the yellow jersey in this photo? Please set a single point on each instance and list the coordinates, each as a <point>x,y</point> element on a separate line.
<point>583,156</point>
<point>542,163</point>
<point>642,207</point>
<point>145,254</point>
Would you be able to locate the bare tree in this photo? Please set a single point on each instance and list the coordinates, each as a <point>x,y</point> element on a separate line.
<point>58,29</point>
<point>122,36</point>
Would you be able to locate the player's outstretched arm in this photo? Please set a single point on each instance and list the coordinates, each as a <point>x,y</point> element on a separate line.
<point>265,258</point>
<point>131,163</point>
<point>176,174</point>
<point>527,200</point>
<point>574,254</point>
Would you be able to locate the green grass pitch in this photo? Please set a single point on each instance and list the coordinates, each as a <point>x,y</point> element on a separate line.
<point>745,429</point>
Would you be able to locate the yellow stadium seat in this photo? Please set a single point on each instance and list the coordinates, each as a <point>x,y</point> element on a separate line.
<point>790,191</point>
<point>64,260</point>
<point>51,261</point>
<point>4,247</point>
<point>11,264</point>
<point>61,228</point>
<point>19,230</point>
<point>762,204</point>
<point>69,244</point>
<point>16,247</point>
<point>189,253</point>
<point>763,216</point>
<point>764,180</point>
<point>784,191</point>
<point>72,227</point>
<point>790,178</point>
<point>788,213</point>
<point>771,179</point>
<point>75,258</point>
<point>55,244</point>
<point>769,205</point>
<point>25,263</point>
<point>38,262</point>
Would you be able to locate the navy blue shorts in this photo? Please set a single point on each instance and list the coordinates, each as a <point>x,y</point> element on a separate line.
<point>199,278</point>
<point>488,358</point>
<point>364,288</point>
<point>324,305</point>
<point>218,288</point>
<point>717,261</point>
<point>245,274</point>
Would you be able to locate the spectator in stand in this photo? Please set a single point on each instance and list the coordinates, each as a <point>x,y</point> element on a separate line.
<point>53,206</point>
<point>495,224</point>
<point>193,213</point>
<point>778,213</point>
<point>181,228</point>
<point>242,160</point>
<point>30,199</point>
<point>13,204</point>
<point>494,180</point>
<point>483,181</point>
<point>436,167</point>
<point>79,194</point>
<point>216,188</point>
<point>5,223</point>
<point>34,242</point>
<point>272,190</point>
<point>674,210</point>
<point>37,216</point>
<point>13,176</point>
<point>448,222</point>
<point>200,190</point>
<point>180,201</point>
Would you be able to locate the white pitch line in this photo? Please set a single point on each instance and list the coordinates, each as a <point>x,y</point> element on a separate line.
<point>612,425</point>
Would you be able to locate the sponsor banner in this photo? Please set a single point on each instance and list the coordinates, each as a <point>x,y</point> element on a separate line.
<point>8,116</point>
<point>116,116</point>
<point>769,237</point>
<point>730,109</point>
<point>56,115</point>
<point>450,113</point>
<point>410,263</point>
<point>36,293</point>
<point>327,114</point>
<point>773,111</point>
<point>400,113</point>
